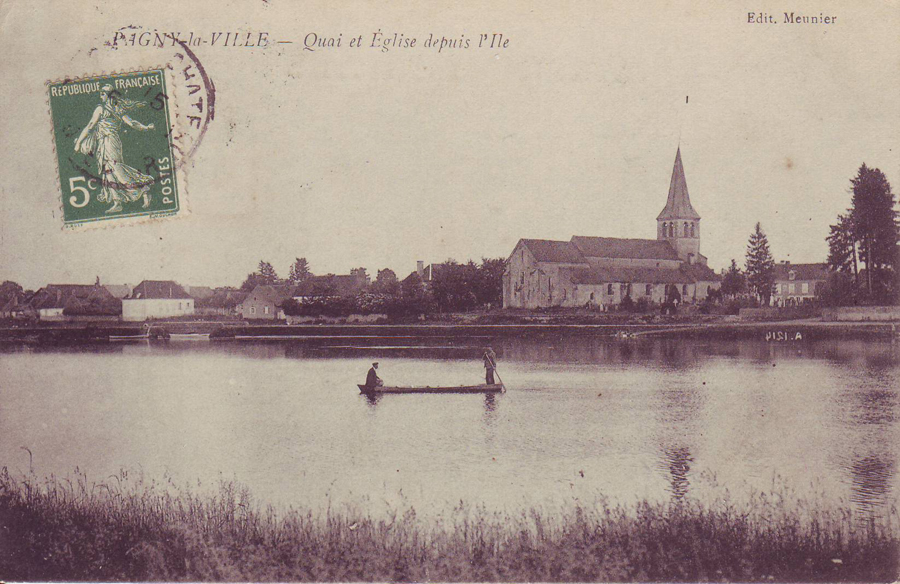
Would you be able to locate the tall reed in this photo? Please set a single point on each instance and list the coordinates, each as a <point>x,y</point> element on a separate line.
<point>127,529</point>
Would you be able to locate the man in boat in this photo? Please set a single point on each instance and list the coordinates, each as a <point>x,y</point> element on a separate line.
<point>372,379</point>
<point>490,364</point>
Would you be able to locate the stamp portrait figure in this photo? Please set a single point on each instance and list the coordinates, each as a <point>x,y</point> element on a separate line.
<point>120,183</point>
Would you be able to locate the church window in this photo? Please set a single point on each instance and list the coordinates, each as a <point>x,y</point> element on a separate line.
<point>609,289</point>
<point>686,229</point>
<point>792,274</point>
<point>649,289</point>
<point>692,230</point>
<point>671,230</point>
<point>684,290</point>
<point>665,229</point>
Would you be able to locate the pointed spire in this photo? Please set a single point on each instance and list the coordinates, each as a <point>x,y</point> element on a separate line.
<point>678,205</point>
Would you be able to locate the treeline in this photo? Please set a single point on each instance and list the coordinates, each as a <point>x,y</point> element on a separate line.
<point>452,287</point>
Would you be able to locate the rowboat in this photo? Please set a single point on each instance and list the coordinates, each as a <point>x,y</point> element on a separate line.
<point>188,336</point>
<point>495,388</point>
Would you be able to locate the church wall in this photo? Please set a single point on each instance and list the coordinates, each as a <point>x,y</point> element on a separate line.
<point>528,283</point>
<point>704,287</point>
<point>520,263</point>
<point>602,296</point>
<point>635,263</point>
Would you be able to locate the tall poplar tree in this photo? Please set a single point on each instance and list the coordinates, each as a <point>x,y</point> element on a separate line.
<point>876,229</point>
<point>760,266</point>
<point>299,271</point>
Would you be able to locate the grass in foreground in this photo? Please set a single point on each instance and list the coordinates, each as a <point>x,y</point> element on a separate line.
<point>59,530</point>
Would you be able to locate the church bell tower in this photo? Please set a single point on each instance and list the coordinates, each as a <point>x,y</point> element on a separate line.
<point>678,222</point>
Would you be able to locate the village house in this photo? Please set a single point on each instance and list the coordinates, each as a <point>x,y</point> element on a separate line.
<point>62,301</point>
<point>602,271</point>
<point>797,284</point>
<point>157,299</point>
<point>265,301</point>
<point>19,306</point>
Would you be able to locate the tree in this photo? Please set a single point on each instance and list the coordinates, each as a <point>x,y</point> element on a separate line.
<point>874,224</point>
<point>9,290</point>
<point>760,266</point>
<point>452,286</point>
<point>489,282</point>
<point>842,250</point>
<point>299,271</point>
<point>265,275</point>
<point>386,282</point>
<point>734,282</point>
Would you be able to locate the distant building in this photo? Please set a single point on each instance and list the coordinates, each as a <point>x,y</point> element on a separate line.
<point>264,302</point>
<point>797,284</point>
<point>157,299</point>
<point>19,306</point>
<point>330,286</point>
<point>602,271</point>
<point>59,301</point>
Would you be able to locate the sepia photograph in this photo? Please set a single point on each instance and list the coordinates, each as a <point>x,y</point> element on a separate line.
<point>577,291</point>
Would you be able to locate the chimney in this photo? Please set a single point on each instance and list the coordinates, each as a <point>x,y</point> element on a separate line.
<point>420,268</point>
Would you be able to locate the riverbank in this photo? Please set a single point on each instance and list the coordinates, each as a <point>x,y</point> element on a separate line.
<point>708,328</point>
<point>64,530</point>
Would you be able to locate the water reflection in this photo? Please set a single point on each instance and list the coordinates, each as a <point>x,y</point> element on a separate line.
<point>638,417</point>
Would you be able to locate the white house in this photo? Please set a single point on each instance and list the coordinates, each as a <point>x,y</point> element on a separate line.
<point>157,299</point>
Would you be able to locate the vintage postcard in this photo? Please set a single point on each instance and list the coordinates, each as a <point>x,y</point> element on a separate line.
<point>579,291</point>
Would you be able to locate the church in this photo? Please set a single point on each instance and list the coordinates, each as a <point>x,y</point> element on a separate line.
<point>602,271</point>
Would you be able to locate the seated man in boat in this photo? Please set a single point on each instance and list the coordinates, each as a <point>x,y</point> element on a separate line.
<point>490,364</point>
<point>372,379</point>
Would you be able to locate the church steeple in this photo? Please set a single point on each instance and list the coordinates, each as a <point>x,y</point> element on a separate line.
<point>678,205</point>
<point>678,222</point>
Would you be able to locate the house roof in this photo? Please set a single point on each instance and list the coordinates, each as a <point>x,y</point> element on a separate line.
<point>118,290</point>
<point>224,299</point>
<point>699,272</point>
<point>801,271</point>
<point>156,289</point>
<point>613,247</point>
<point>58,295</point>
<point>686,274</point>
<point>275,293</point>
<point>546,250</point>
<point>199,292</point>
<point>678,204</point>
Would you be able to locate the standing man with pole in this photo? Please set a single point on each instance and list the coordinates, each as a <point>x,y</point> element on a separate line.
<point>490,365</point>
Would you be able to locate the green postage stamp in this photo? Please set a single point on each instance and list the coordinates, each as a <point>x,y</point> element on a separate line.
<point>114,145</point>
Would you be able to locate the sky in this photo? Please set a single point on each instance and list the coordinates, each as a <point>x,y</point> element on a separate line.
<point>359,157</point>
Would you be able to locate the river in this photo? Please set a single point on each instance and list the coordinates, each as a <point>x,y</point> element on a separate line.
<point>583,417</point>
